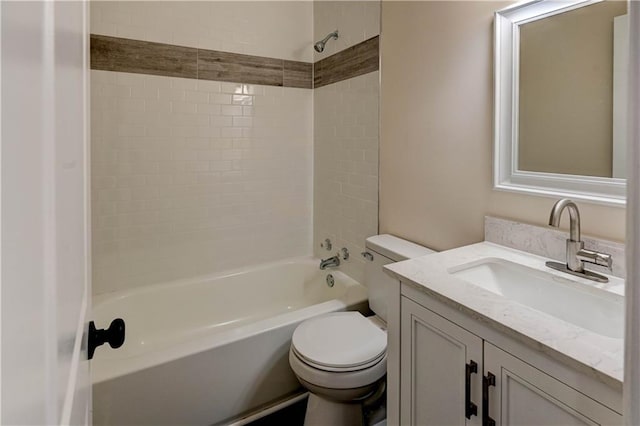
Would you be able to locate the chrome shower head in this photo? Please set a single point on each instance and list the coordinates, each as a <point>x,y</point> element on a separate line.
<point>319,46</point>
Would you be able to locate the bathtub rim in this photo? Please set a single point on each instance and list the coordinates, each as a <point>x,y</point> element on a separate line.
<point>114,368</point>
<point>121,294</point>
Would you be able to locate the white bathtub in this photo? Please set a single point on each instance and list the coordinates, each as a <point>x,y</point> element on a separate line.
<point>209,350</point>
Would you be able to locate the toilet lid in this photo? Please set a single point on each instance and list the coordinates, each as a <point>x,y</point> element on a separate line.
<point>339,340</point>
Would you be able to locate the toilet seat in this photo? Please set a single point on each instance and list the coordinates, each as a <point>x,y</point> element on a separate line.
<point>337,380</point>
<point>322,367</point>
<point>340,350</point>
<point>339,342</point>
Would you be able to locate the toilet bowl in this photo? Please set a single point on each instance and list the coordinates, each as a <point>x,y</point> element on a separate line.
<point>341,357</point>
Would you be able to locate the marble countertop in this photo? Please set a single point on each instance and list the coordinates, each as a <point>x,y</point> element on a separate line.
<point>596,355</point>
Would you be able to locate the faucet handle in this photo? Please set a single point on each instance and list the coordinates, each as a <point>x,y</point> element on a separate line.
<point>345,253</point>
<point>597,258</point>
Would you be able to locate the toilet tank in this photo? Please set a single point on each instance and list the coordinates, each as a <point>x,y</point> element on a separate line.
<point>386,249</point>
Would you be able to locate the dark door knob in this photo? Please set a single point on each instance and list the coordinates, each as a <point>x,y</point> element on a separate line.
<point>114,335</point>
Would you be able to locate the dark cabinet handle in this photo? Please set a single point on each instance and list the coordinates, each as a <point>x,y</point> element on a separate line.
<point>488,380</point>
<point>470,409</point>
<point>114,335</point>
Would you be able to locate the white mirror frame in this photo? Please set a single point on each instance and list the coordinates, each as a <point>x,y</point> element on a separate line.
<point>507,177</point>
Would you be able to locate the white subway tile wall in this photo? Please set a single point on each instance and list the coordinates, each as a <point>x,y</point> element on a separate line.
<point>356,21</point>
<point>279,29</point>
<point>193,177</point>
<point>346,167</point>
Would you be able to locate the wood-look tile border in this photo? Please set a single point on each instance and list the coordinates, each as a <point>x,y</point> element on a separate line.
<point>353,61</point>
<point>144,57</point>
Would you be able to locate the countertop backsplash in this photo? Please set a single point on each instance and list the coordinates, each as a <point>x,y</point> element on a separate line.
<point>550,242</point>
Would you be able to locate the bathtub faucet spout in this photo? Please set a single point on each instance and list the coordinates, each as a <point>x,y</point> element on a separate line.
<point>332,262</point>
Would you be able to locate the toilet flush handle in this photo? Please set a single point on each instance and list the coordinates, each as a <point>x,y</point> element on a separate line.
<point>367,256</point>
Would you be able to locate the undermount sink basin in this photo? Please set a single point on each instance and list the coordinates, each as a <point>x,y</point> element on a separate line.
<point>593,309</point>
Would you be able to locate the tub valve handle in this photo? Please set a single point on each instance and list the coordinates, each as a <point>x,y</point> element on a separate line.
<point>114,335</point>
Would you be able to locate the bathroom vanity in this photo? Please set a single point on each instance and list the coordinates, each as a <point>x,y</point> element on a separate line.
<point>486,334</point>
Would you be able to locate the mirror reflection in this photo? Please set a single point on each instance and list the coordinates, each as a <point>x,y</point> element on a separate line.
<point>572,92</point>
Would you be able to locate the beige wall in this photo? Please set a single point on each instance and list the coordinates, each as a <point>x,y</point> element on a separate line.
<point>436,129</point>
<point>566,91</point>
<point>356,22</point>
<point>279,29</point>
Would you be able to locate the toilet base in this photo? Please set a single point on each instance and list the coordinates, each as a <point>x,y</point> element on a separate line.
<point>323,412</point>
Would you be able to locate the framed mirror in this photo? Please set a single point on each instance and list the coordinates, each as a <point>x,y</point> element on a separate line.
<point>560,99</point>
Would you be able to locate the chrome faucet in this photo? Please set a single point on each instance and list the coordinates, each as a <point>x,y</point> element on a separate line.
<point>332,262</point>
<point>577,255</point>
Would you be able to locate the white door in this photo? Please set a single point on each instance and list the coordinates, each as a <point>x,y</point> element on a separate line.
<point>45,287</point>
<point>436,383</point>
<point>524,395</point>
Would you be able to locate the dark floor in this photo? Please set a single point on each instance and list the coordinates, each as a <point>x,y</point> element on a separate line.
<point>292,415</point>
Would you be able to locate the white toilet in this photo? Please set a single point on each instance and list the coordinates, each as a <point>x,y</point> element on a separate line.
<point>341,358</point>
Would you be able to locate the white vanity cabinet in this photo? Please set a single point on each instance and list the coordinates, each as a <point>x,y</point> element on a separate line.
<point>441,370</point>
<point>523,395</point>
<point>438,388</point>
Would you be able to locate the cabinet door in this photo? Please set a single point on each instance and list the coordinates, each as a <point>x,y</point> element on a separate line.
<point>433,375</point>
<point>524,395</point>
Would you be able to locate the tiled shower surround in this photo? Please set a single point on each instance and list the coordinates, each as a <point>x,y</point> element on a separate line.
<point>355,20</point>
<point>346,135</point>
<point>279,29</point>
<point>193,177</point>
<point>346,166</point>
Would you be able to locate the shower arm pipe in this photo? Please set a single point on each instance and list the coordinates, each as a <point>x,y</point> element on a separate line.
<point>333,35</point>
<point>319,46</point>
